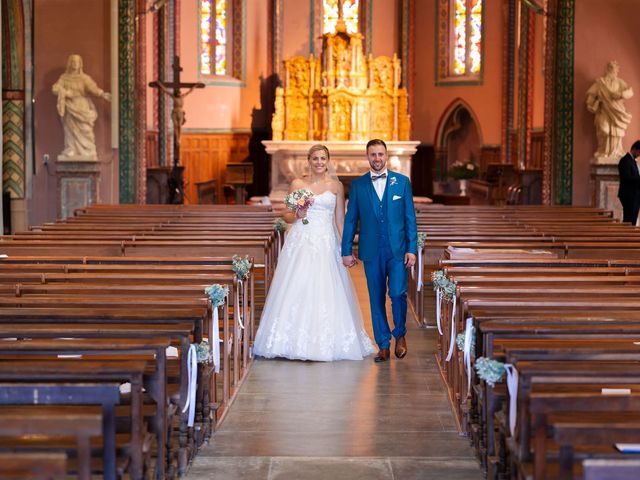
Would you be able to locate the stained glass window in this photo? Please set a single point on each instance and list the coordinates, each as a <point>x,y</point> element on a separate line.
<point>466,24</point>
<point>221,37</point>
<point>349,15</point>
<point>205,37</point>
<point>213,37</point>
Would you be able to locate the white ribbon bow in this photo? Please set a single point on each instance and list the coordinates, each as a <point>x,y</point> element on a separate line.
<point>214,332</point>
<point>238,308</point>
<point>420,267</point>
<point>438,309</point>
<point>468,333</point>
<point>452,343</point>
<point>512,387</point>
<point>192,375</point>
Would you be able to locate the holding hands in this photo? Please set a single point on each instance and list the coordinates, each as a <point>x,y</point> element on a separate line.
<point>349,260</point>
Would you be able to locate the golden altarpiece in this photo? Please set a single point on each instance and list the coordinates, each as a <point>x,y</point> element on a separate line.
<point>342,99</point>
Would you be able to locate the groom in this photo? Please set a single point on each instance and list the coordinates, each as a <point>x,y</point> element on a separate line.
<point>382,202</point>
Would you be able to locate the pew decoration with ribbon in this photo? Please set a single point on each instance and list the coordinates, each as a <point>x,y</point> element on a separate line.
<point>466,343</point>
<point>422,238</point>
<point>242,268</point>
<point>445,290</point>
<point>492,371</point>
<point>280,226</point>
<point>203,352</point>
<point>217,294</point>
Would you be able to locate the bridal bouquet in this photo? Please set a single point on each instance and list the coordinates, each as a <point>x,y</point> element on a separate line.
<point>300,199</point>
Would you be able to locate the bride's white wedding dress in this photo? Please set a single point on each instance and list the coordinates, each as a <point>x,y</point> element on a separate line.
<point>311,311</point>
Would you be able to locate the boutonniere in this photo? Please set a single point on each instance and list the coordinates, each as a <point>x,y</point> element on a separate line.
<point>393,181</point>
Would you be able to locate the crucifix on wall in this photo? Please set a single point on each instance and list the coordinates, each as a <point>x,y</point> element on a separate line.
<point>174,90</point>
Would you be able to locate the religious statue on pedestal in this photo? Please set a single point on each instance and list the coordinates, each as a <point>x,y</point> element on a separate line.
<point>77,111</point>
<point>605,100</point>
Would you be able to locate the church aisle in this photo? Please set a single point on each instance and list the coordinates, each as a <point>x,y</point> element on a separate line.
<point>341,420</point>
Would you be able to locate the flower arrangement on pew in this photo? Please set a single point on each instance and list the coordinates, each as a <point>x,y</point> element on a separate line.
<point>217,294</point>
<point>460,341</point>
<point>441,283</point>
<point>491,371</point>
<point>241,266</point>
<point>203,352</point>
<point>279,225</point>
<point>422,238</point>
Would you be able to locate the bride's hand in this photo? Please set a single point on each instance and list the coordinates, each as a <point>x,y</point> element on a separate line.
<point>349,260</point>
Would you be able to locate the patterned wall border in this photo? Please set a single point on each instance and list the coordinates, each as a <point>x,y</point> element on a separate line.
<point>141,103</point>
<point>13,158</point>
<point>127,93</point>
<point>13,43</point>
<point>508,78</point>
<point>563,108</point>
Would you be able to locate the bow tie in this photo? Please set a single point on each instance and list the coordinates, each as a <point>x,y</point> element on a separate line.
<point>376,177</point>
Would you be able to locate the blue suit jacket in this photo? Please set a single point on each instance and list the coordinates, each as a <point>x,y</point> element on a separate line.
<point>401,223</point>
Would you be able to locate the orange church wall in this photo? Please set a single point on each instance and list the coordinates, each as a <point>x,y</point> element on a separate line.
<point>385,24</point>
<point>431,101</point>
<point>603,31</point>
<point>63,27</point>
<point>296,16</point>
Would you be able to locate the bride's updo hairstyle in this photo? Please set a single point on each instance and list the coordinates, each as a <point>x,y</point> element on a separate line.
<point>316,148</point>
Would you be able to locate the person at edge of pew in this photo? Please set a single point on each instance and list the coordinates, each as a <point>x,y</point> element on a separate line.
<point>629,189</point>
<point>311,311</point>
<point>381,202</point>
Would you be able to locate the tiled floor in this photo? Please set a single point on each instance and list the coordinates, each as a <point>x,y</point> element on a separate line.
<point>341,421</point>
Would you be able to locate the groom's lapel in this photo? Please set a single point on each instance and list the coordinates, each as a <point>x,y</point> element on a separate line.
<point>392,185</point>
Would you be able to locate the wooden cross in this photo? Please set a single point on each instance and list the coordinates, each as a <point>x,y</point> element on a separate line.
<point>178,118</point>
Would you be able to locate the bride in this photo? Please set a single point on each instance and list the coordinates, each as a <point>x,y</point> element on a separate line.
<point>311,311</point>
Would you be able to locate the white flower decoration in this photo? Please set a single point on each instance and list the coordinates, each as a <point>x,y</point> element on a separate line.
<point>393,180</point>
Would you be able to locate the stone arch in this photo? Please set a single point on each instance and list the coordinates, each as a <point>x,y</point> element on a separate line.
<point>458,136</point>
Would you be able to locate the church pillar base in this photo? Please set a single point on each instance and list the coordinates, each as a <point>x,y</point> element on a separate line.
<point>77,185</point>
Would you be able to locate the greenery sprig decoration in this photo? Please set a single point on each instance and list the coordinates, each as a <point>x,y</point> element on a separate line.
<point>441,282</point>
<point>279,225</point>
<point>241,266</point>
<point>460,341</point>
<point>203,352</point>
<point>491,371</point>
<point>217,293</point>
<point>422,237</point>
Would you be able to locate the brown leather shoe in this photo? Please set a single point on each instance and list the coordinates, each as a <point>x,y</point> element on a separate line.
<point>401,347</point>
<point>382,356</point>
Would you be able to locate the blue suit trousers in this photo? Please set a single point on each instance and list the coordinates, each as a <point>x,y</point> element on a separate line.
<point>383,271</point>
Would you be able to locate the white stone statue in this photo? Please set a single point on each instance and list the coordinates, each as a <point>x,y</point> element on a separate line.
<point>77,111</point>
<point>605,99</point>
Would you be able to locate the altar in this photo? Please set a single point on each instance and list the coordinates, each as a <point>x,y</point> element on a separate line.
<point>342,99</point>
<point>289,160</point>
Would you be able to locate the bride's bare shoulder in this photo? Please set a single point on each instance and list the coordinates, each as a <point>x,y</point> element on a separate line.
<point>296,184</point>
<point>336,186</point>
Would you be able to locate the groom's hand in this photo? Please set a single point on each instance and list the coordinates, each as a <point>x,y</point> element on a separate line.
<point>409,260</point>
<point>349,260</point>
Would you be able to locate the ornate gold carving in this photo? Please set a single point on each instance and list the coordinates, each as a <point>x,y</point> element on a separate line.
<point>342,95</point>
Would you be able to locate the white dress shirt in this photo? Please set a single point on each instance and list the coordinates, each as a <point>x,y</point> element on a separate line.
<point>380,184</point>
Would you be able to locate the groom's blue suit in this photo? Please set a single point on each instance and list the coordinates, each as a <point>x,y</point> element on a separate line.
<point>387,231</point>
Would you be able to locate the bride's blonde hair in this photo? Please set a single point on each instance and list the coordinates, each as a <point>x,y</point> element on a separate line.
<point>316,148</point>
